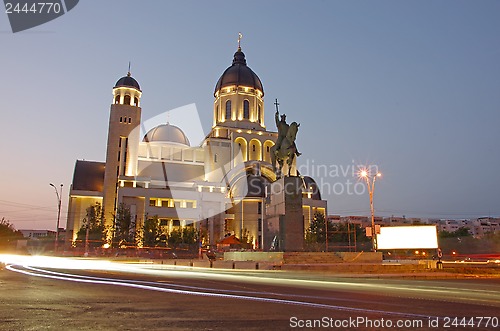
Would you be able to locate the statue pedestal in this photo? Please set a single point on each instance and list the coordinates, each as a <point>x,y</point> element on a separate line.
<point>284,226</point>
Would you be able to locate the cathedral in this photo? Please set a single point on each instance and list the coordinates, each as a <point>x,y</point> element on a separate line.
<point>220,186</point>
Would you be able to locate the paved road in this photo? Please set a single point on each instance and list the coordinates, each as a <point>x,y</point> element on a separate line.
<point>142,297</point>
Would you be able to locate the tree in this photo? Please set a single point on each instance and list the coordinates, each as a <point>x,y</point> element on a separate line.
<point>340,232</point>
<point>346,236</point>
<point>189,235</point>
<point>94,222</point>
<point>151,232</point>
<point>124,226</point>
<point>460,232</point>
<point>174,238</point>
<point>316,233</point>
<point>8,234</point>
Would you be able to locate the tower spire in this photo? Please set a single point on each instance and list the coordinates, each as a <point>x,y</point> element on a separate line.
<point>240,36</point>
<point>128,73</point>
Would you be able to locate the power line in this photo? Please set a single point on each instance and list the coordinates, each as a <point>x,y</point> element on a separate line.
<point>424,214</point>
<point>13,203</point>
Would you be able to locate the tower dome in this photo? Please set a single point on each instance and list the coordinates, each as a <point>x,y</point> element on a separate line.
<point>166,133</point>
<point>127,91</point>
<point>239,96</point>
<point>127,81</point>
<point>239,74</point>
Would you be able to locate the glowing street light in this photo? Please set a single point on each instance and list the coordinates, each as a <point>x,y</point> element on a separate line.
<point>59,196</point>
<point>370,183</point>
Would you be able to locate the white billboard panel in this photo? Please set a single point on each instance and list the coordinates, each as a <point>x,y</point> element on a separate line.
<point>407,237</point>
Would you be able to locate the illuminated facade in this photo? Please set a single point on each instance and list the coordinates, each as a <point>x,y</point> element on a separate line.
<point>218,187</point>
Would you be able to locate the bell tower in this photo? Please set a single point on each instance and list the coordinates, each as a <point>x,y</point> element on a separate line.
<point>123,140</point>
<point>239,96</point>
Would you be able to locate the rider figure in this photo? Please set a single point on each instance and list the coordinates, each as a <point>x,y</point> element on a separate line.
<point>283,127</point>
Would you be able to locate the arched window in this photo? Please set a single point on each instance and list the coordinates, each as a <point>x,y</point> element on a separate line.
<point>136,101</point>
<point>267,150</point>
<point>246,109</point>
<point>258,114</point>
<point>215,158</point>
<point>117,99</point>
<point>255,150</point>
<point>228,110</point>
<point>217,114</point>
<point>126,100</point>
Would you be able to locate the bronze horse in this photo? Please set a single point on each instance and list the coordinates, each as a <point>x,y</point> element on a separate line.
<point>286,151</point>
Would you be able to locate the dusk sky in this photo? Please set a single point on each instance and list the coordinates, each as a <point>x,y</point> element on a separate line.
<point>412,87</point>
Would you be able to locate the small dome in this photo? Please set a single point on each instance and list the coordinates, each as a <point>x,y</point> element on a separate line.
<point>127,81</point>
<point>239,74</point>
<point>309,184</point>
<point>166,133</point>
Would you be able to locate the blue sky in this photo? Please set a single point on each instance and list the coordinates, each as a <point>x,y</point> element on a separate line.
<point>412,87</point>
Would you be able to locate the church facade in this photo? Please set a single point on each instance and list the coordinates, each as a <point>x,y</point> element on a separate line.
<point>219,187</point>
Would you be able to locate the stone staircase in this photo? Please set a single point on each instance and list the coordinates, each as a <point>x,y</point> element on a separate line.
<point>311,258</point>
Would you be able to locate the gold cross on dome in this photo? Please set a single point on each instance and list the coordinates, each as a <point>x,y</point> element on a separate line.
<point>239,39</point>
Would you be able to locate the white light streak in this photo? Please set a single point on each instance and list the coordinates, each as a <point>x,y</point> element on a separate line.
<point>128,283</point>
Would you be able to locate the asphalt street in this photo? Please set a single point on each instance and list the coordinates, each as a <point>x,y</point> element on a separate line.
<point>147,297</point>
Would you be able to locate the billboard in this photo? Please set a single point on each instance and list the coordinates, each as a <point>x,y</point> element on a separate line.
<point>407,237</point>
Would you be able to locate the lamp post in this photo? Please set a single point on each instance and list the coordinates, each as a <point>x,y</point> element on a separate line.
<point>59,196</point>
<point>370,183</point>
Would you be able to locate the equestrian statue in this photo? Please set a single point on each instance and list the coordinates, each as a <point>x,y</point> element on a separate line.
<point>285,148</point>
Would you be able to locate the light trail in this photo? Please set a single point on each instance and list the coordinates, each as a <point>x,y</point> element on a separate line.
<point>449,292</point>
<point>128,283</point>
<point>198,288</point>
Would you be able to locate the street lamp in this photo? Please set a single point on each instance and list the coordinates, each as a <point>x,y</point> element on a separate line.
<point>370,183</point>
<point>59,196</point>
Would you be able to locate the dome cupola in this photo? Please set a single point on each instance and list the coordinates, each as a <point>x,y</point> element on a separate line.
<point>128,81</point>
<point>239,74</point>
<point>166,133</point>
<point>127,91</point>
<point>239,96</point>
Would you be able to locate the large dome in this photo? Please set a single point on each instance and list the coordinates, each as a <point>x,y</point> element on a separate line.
<point>166,133</point>
<point>239,74</point>
<point>250,186</point>
<point>127,81</point>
